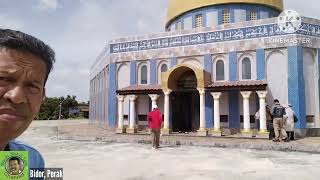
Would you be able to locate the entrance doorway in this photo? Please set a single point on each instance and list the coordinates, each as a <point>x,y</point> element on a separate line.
<point>185,101</point>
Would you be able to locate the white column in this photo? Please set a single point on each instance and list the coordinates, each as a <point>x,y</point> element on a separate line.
<point>262,112</point>
<point>120,111</point>
<point>166,108</point>
<point>154,98</point>
<point>132,111</point>
<point>246,110</point>
<point>202,109</point>
<point>216,106</point>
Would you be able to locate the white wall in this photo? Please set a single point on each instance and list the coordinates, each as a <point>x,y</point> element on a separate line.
<point>193,61</point>
<point>224,104</point>
<point>309,73</point>
<point>212,18</point>
<point>277,76</point>
<point>240,15</point>
<point>142,105</point>
<point>187,23</point>
<point>123,80</point>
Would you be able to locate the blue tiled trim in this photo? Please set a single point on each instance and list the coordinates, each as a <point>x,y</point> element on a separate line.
<point>153,71</point>
<point>194,21</point>
<point>220,18</point>
<point>233,66</point>
<point>234,112</point>
<point>112,108</point>
<point>208,63</point>
<point>173,61</point>
<point>261,64</point>
<point>211,37</point>
<point>296,87</point>
<point>133,72</point>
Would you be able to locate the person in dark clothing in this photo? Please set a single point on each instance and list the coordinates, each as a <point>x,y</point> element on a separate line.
<point>279,122</point>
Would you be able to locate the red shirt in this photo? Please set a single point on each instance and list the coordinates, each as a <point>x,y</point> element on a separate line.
<point>155,119</point>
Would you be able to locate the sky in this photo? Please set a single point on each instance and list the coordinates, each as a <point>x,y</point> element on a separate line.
<point>78,30</point>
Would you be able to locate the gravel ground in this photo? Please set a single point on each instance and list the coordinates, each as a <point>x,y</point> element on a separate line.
<point>130,161</point>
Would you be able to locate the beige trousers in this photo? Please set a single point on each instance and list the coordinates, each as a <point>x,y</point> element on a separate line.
<point>279,128</point>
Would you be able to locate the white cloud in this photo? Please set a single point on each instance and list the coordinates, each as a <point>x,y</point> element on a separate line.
<point>46,5</point>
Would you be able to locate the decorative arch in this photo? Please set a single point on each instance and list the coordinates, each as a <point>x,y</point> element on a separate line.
<point>251,57</point>
<point>160,64</point>
<point>142,64</point>
<point>123,81</point>
<point>215,59</point>
<point>170,77</point>
<point>191,61</point>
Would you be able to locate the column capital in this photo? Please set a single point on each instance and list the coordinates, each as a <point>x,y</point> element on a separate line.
<point>262,94</point>
<point>154,97</point>
<point>121,97</point>
<point>201,90</point>
<point>245,94</point>
<point>216,95</point>
<point>133,97</point>
<point>167,91</point>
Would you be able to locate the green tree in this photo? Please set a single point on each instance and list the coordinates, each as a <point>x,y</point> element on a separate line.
<point>51,107</point>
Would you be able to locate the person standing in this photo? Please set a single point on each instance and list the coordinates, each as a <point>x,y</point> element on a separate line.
<point>279,122</point>
<point>155,122</point>
<point>290,122</point>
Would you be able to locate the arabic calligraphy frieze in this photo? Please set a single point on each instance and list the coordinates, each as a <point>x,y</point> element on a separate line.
<point>211,37</point>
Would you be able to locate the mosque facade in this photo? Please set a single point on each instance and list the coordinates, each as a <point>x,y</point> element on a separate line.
<point>217,63</point>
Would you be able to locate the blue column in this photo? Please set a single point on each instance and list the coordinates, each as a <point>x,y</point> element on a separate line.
<point>153,71</point>
<point>193,21</point>
<point>133,73</point>
<point>296,89</point>
<point>234,111</point>
<point>232,15</point>
<point>173,61</point>
<point>112,108</point>
<point>208,97</point>
<point>233,66</point>
<point>261,64</point>
<point>220,16</point>
<point>204,19</point>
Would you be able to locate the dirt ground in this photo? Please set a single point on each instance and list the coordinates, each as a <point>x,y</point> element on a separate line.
<point>99,160</point>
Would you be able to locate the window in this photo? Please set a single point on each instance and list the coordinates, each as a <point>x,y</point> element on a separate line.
<point>220,71</point>
<point>225,16</point>
<point>246,68</point>
<point>253,15</point>
<point>198,20</point>
<point>164,68</point>
<point>179,25</point>
<point>144,75</point>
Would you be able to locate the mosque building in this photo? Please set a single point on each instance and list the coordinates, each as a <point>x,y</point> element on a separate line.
<point>217,63</point>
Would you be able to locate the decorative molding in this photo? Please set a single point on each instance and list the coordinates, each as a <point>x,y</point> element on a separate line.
<point>211,37</point>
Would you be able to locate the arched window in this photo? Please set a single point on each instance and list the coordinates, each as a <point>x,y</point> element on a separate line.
<point>246,68</point>
<point>144,75</point>
<point>164,68</point>
<point>220,71</point>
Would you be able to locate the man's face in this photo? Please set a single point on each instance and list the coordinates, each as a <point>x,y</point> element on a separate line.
<point>22,78</point>
<point>14,167</point>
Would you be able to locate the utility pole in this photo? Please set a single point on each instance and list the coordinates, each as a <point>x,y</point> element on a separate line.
<point>60,104</point>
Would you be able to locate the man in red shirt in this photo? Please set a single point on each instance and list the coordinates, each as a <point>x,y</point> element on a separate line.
<point>155,122</point>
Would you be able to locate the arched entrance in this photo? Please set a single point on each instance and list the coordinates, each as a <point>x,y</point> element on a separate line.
<point>184,81</point>
<point>185,104</point>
